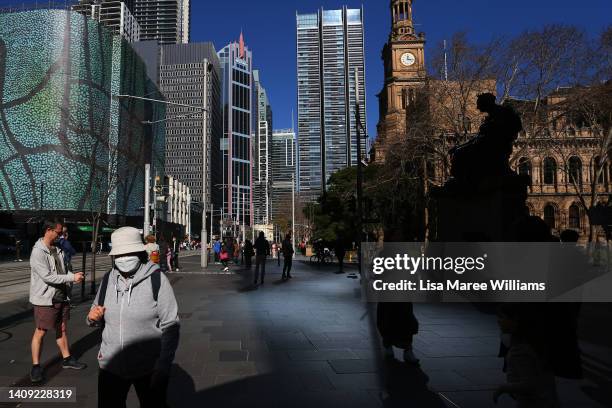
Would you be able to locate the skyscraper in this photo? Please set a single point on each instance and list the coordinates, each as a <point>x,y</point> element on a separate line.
<point>115,15</point>
<point>262,131</point>
<point>166,21</point>
<point>236,66</point>
<point>184,76</point>
<point>330,46</point>
<point>283,162</point>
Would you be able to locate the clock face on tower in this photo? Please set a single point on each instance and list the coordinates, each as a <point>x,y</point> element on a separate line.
<point>407,59</point>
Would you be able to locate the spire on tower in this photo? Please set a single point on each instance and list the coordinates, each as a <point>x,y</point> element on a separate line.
<point>241,42</point>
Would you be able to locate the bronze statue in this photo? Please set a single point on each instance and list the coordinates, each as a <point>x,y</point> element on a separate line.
<point>484,160</point>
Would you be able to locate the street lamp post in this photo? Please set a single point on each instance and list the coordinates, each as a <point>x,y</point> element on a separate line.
<point>359,169</point>
<point>204,234</point>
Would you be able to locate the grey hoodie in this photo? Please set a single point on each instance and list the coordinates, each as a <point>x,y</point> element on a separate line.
<point>44,278</point>
<point>139,335</point>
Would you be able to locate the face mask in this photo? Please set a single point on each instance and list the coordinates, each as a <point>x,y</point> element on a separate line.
<point>127,264</point>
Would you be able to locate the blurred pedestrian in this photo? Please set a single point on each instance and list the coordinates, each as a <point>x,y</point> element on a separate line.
<point>262,250</point>
<point>67,249</point>
<point>217,250</point>
<point>152,248</point>
<point>137,309</point>
<point>49,295</point>
<point>224,256</point>
<point>530,378</point>
<point>248,253</point>
<point>287,256</point>
<point>176,248</point>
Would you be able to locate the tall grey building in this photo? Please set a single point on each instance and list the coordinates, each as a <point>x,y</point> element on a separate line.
<point>183,76</point>
<point>283,161</point>
<point>262,126</point>
<point>166,21</point>
<point>330,46</point>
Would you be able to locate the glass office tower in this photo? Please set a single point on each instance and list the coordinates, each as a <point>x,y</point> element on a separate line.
<point>236,65</point>
<point>282,165</point>
<point>262,132</point>
<point>330,46</point>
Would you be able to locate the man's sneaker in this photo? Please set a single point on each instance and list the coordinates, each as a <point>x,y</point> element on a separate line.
<point>72,363</point>
<point>178,270</point>
<point>409,356</point>
<point>36,374</point>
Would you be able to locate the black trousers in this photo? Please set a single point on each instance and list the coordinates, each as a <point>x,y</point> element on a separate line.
<point>287,266</point>
<point>113,391</point>
<point>260,260</point>
<point>175,261</point>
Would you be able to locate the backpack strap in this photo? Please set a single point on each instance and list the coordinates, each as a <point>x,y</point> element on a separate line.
<point>155,283</point>
<point>103,285</point>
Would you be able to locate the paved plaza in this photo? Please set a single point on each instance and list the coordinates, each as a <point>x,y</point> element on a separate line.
<point>308,342</point>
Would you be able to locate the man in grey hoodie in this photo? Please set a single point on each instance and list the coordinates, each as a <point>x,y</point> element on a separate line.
<point>49,294</point>
<point>136,306</point>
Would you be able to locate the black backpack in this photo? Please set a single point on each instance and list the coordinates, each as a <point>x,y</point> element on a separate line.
<point>155,285</point>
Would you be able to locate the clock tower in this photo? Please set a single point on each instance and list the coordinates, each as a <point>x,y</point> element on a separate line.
<point>404,60</point>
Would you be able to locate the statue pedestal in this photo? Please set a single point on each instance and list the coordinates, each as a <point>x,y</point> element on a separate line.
<point>486,214</point>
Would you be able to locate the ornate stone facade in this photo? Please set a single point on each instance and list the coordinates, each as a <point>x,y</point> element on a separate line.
<point>563,161</point>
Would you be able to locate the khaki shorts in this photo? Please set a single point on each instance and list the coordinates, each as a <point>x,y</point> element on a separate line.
<point>51,317</point>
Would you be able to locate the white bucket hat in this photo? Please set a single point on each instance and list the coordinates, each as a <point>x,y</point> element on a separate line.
<point>126,240</point>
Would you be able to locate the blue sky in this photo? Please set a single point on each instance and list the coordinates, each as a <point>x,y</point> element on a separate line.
<point>269,30</point>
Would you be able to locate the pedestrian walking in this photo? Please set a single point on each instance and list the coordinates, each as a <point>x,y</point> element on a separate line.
<point>137,309</point>
<point>217,250</point>
<point>49,290</point>
<point>397,326</point>
<point>67,249</point>
<point>169,257</point>
<point>224,256</point>
<point>279,250</point>
<point>248,253</point>
<point>262,250</point>
<point>176,248</point>
<point>530,377</point>
<point>152,248</point>
<point>287,256</point>
<point>274,250</point>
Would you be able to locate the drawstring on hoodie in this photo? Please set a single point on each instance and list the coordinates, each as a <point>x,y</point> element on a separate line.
<point>130,291</point>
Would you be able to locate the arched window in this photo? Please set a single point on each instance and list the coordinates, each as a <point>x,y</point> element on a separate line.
<point>575,170</point>
<point>524,167</point>
<point>550,171</point>
<point>549,215</point>
<point>574,216</point>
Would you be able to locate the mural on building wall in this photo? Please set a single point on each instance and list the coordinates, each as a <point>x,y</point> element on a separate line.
<point>65,144</point>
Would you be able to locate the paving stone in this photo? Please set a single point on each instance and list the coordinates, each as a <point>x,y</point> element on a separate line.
<point>233,355</point>
<point>354,366</point>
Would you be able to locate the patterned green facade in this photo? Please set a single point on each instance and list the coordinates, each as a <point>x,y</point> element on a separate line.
<point>62,136</point>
